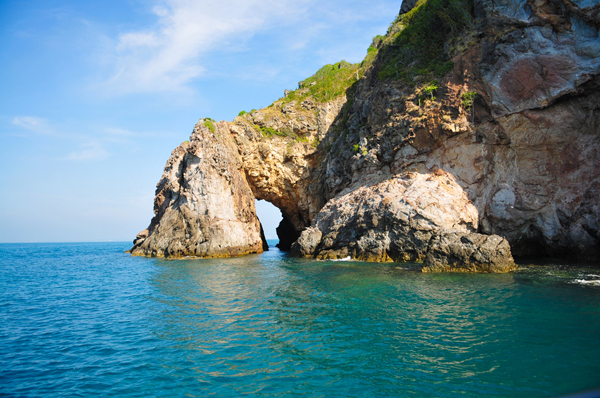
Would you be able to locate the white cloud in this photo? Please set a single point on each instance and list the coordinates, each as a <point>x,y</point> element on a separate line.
<point>175,50</point>
<point>168,56</point>
<point>32,123</point>
<point>89,151</point>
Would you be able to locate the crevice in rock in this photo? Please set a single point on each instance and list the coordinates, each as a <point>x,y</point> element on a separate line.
<point>287,234</point>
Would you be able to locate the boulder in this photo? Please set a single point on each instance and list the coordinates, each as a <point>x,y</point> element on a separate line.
<point>140,237</point>
<point>390,221</point>
<point>455,251</point>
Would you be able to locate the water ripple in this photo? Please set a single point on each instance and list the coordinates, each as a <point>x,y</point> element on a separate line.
<point>88,320</point>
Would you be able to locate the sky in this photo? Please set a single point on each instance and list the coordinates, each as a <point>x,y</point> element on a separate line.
<point>96,95</point>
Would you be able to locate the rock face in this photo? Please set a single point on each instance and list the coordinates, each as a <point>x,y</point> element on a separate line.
<point>407,5</point>
<point>506,143</point>
<point>278,147</point>
<point>457,251</point>
<point>203,206</point>
<point>390,221</point>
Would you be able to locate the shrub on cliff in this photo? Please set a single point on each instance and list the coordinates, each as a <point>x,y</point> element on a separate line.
<point>208,122</point>
<point>329,82</point>
<point>418,44</point>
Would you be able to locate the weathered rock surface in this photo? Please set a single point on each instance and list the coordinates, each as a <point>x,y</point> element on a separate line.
<point>379,172</point>
<point>526,151</point>
<point>203,206</point>
<point>390,221</point>
<point>281,167</point>
<point>456,251</point>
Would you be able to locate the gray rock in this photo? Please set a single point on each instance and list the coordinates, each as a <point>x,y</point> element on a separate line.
<point>407,5</point>
<point>307,243</point>
<point>307,104</point>
<point>390,221</point>
<point>455,251</point>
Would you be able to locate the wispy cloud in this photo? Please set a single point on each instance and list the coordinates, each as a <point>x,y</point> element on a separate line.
<point>89,151</point>
<point>32,123</point>
<point>169,55</point>
<point>180,44</point>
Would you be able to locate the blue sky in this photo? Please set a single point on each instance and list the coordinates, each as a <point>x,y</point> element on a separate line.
<point>96,95</point>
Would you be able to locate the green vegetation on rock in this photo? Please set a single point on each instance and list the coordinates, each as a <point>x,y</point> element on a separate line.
<point>428,90</point>
<point>270,131</point>
<point>330,82</point>
<point>416,44</point>
<point>419,38</point>
<point>208,122</point>
<point>467,100</point>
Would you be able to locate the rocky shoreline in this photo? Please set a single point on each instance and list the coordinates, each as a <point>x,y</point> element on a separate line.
<point>495,151</point>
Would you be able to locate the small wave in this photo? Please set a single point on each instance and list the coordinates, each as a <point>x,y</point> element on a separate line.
<point>342,259</point>
<point>593,282</point>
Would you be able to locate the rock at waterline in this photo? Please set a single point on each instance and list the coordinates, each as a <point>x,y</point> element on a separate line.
<point>203,206</point>
<point>452,251</point>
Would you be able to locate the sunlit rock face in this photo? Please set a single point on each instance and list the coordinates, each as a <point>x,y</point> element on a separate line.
<point>282,167</point>
<point>393,220</point>
<point>378,173</point>
<point>526,153</point>
<point>203,206</point>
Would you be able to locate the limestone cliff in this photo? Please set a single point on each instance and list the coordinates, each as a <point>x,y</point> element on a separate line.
<point>473,118</point>
<point>203,206</point>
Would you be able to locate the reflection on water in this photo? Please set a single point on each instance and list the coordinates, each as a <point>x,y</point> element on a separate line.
<point>85,320</point>
<point>275,324</point>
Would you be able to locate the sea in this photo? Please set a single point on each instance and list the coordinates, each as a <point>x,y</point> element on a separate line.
<point>89,320</point>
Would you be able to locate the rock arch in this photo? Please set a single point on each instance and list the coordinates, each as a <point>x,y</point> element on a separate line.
<point>524,168</point>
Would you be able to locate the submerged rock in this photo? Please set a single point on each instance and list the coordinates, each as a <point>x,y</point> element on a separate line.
<point>455,251</point>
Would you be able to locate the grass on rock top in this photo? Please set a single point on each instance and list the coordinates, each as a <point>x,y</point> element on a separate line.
<point>208,122</point>
<point>330,82</point>
<point>415,44</point>
<point>419,37</point>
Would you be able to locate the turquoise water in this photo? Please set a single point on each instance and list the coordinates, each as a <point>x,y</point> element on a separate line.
<point>83,320</point>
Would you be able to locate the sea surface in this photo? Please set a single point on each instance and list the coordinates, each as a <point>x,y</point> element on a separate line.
<point>88,320</point>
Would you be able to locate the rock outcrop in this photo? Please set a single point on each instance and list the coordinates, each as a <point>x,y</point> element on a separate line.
<point>203,206</point>
<point>455,251</point>
<point>390,221</point>
<point>498,134</point>
<point>407,5</point>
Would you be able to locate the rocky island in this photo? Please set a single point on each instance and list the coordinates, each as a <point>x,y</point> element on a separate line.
<point>470,131</point>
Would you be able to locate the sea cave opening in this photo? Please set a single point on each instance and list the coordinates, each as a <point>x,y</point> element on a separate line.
<point>270,217</point>
<point>278,230</point>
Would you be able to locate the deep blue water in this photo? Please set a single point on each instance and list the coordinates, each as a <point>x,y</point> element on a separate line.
<point>83,320</point>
